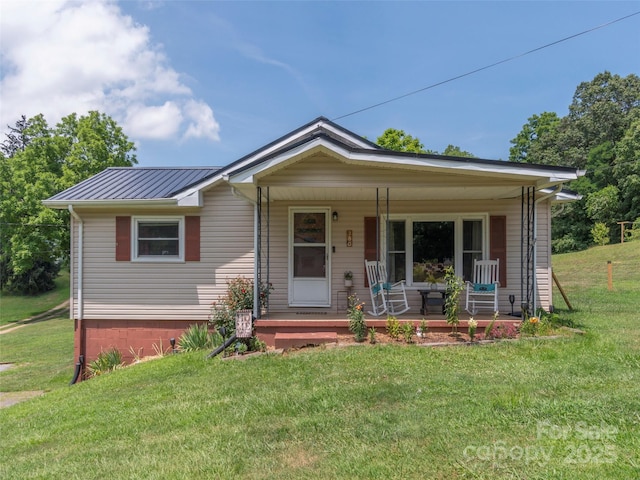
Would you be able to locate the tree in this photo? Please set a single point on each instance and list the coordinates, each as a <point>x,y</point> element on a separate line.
<point>397,140</point>
<point>626,171</point>
<point>34,239</point>
<point>533,137</point>
<point>17,138</point>
<point>455,151</point>
<point>600,135</point>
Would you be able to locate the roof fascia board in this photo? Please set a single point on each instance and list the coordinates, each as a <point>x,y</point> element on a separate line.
<point>366,156</point>
<point>160,202</point>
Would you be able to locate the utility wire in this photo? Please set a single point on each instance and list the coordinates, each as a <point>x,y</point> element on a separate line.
<point>486,67</point>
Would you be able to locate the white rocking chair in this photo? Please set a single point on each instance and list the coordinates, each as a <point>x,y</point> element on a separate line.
<point>385,297</point>
<point>483,291</point>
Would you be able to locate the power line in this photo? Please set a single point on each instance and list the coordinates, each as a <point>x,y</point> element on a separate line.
<point>486,67</point>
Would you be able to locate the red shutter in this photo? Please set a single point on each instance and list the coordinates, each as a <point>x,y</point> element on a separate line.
<point>123,239</point>
<point>192,239</point>
<point>498,244</point>
<point>370,236</point>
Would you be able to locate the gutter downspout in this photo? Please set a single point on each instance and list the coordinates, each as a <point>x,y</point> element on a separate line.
<point>80,299</point>
<point>535,243</point>
<point>76,217</point>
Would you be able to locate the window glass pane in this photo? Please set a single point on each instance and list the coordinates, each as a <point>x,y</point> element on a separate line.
<point>309,228</point>
<point>472,235</point>
<point>397,267</point>
<point>471,246</point>
<point>159,238</point>
<point>396,236</point>
<point>309,262</point>
<point>158,247</point>
<point>158,230</point>
<point>433,250</point>
<point>397,251</point>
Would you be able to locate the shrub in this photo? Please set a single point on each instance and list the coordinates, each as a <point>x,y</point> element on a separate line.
<point>634,233</point>
<point>505,330</point>
<point>196,337</point>
<point>424,328</point>
<point>239,296</point>
<point>357,325</point>
<point>39,278</point>
<point>600,234</point>
<point>407,332</point>
<point>393,327</point>
<point>106,362</point>
<point>372,335</point>
<point>489,327</point>
<point>454,287</point>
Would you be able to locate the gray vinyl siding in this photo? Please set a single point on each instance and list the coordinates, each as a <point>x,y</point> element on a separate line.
<point>167,291</point>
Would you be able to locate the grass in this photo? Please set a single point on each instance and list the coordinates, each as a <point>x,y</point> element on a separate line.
<point>42,353</point>
<point>537,409</point>
<point>14,308</point>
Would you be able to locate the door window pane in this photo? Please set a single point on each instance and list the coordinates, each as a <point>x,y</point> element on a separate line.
<point>309,262</point>
<point>309,228</point>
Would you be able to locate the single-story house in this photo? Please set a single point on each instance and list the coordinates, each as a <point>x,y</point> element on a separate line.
<point>152,248</point>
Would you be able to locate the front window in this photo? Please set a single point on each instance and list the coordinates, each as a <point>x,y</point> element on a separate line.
<point>158,239</point>
<point>422,247</point>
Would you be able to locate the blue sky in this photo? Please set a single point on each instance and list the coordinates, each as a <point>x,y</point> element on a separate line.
<point>204,83</point>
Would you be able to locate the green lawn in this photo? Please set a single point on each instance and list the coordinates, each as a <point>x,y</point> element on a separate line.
<point>42,353</point>
<point>537,409</point>
<point>14,308</point>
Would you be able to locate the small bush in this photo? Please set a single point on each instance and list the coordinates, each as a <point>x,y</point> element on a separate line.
<point>106,362</point>
<point>407,332</point>
<point>424,328</point>
<point>372,335</point>
<point>357,325</point>
<point>393,327</point>
<point>504,330</point>
<point>196,337</point>
<point>600,234</point>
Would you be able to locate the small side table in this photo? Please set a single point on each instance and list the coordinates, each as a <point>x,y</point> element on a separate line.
<point>343,296</point>
<point>432,296</point>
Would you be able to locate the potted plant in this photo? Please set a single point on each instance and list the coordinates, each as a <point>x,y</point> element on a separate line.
<point>348,278</point>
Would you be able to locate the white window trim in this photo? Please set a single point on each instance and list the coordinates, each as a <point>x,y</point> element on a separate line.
<point>157,258</point>
<point>457,218</point>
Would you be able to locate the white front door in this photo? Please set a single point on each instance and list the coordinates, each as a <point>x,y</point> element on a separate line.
<point>309,260</point>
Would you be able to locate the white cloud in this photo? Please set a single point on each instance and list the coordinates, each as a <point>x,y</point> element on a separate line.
<point>202,123</point>
<point>60,57</point>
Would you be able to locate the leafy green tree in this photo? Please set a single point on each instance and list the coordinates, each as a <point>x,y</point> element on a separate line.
<point>455,151</point>
<point>538,132</point>
<point>600,135</point>
<point>34,239</point>
<point>626,171</point>
<point>399,141</point>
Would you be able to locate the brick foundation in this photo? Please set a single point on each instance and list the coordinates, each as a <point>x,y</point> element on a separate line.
<point>94,336</point>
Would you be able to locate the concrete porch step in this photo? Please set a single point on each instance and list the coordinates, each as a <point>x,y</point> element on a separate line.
<point>302,339</point>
